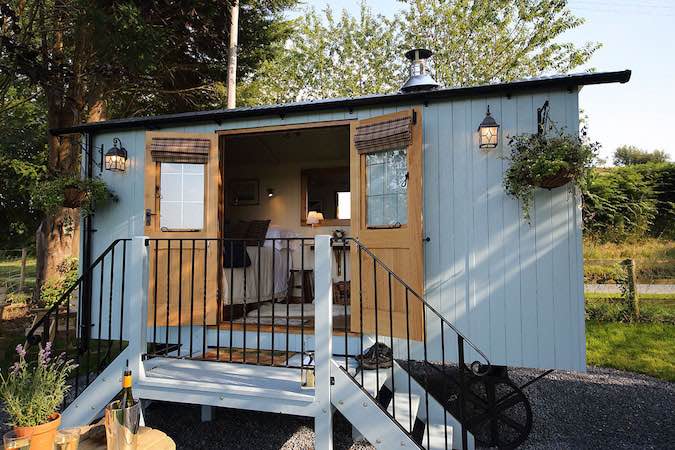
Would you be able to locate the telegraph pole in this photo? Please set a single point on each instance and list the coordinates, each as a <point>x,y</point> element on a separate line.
<point>232,56</point>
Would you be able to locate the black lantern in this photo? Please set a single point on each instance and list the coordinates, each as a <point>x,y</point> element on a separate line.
<point>116,157</point>
<point>488,131</point>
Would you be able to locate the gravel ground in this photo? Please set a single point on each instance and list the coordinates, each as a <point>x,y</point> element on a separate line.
<point>601,409</point>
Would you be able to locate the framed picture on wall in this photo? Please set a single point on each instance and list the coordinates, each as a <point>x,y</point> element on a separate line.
<point>244,192</point>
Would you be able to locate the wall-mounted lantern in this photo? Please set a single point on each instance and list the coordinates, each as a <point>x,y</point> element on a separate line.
<point>488,131</point>
<point>116,157</point>
<point>270,192</point>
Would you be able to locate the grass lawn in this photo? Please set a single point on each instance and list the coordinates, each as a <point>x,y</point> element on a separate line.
<point>647,348</point>
<point>644,249</point>
<point>655,261</point>
<point>11,268</point>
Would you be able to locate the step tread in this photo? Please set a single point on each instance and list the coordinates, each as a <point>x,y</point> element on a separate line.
<point>243,378</point>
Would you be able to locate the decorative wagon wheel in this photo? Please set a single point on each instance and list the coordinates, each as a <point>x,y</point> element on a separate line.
<point>498,412</point>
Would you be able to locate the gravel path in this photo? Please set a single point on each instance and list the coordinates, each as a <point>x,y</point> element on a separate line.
<point>602,409</point>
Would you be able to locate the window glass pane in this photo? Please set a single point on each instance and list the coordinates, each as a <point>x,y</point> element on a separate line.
<point>387,188</point>
<point>344,205</point>
<point>193,187</point>
<point>181,204</point>
<point>171,187</point>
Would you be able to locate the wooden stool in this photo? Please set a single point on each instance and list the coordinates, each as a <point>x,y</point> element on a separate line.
<point>306,285</point>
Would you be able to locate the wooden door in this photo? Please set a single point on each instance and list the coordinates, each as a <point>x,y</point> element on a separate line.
<point>184,265</point>
<point>386,187</point>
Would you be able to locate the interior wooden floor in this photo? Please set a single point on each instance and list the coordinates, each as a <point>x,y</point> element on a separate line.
<point>339,323</point>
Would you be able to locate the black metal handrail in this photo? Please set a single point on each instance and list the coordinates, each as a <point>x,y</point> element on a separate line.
<point>90,341</point>
<point>248,273</point>
<point>458,377</point>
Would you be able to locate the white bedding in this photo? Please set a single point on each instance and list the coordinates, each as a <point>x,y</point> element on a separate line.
<point>233,279</point>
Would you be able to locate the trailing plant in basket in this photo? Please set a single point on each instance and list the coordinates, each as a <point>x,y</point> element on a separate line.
<point>51,195</point>
<point>32,392</point>
<point>539,160</point>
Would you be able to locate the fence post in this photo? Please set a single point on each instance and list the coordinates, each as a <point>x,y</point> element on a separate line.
<point>323,341</point>
<point>631,294</point>
<point>136,307</point>
<point>22,275</point>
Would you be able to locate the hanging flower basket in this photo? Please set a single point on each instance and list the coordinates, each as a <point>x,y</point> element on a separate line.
<point>73,197</point>
<point>555,181</point>
<point>51,195</point>
<point>546,161</point>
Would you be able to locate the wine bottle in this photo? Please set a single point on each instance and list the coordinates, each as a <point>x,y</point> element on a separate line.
<point>125,396</point>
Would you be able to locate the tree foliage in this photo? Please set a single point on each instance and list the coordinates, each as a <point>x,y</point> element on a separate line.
<point>23,154</point>
<point>89,60</point>
<point>474,42</point>
<point>628,155</point>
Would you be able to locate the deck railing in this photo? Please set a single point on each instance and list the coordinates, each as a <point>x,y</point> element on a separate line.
<point>419,364</point>
<point>231,300</point>
<point>87,321</point>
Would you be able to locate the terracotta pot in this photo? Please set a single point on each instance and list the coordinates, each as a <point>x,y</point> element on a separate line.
<point>41,436</point>
<point>73,197</point>
<point>559,179</point>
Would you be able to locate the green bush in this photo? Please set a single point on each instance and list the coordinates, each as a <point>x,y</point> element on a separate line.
<point>632,202</point>
<point>614,309</point>
<point>54,288</point>
<point>17,298</point>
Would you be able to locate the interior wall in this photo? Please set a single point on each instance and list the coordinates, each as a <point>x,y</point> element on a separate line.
<point>276,160</point>
<point>284,209</point>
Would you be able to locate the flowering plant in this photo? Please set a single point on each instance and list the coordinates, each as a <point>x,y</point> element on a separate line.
<point>32,392</point>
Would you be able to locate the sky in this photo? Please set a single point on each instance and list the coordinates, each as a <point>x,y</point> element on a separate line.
<point>636,35</point>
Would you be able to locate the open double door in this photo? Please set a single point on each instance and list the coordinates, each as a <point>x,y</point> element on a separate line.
<point>183,177</point>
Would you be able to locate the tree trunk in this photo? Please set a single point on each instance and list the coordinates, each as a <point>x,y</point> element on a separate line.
<point>57,237</point>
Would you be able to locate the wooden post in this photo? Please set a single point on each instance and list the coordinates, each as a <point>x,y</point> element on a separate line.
<point>323,338</point>
<point>631,294</point>
<point>22,275</point>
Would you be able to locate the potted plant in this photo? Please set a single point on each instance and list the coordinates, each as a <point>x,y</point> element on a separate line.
<point>32,393</point>
<point>543,161</point>
<point>71,192</point>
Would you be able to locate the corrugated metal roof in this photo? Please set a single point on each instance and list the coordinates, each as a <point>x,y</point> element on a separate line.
<point>221,115</point>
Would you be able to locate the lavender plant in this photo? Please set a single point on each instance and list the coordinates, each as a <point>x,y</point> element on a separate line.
<point>32,392</point>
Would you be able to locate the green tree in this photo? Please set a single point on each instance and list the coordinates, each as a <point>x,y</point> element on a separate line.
<point>474,42</point>
<point>628,155</point>
<point>98,59</point>
<point>329,56</point>
<point>23,154</point>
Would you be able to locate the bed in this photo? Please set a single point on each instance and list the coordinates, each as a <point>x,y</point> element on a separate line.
<point>258,282</point>
<point>253,277</point>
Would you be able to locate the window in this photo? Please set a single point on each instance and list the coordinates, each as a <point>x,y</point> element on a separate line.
<point>387,188</point>
<point>181,205</point>
<point>327,191</point>
<point>344,205</point>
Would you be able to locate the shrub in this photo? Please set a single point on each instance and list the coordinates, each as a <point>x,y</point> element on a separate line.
<point>54,288</point>
<point>632,202</point>
<point>603,274</point>
<point>17,298</point>
<point>32,392</point>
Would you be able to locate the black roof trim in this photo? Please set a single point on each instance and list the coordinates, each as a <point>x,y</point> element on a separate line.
<point>220,115</point>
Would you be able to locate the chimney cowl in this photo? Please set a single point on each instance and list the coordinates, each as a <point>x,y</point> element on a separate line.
<point>419,78</point>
